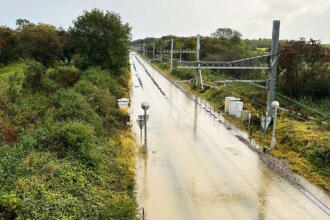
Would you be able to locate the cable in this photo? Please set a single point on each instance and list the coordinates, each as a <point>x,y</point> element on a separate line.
<point>298,103</point>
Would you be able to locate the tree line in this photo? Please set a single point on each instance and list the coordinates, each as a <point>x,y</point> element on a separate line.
<point>304,65</point>
<point>96,38</point>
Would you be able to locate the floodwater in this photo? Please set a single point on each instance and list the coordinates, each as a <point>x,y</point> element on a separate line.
<point>196,168</point>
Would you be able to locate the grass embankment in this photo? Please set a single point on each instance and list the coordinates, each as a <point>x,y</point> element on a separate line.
<point>65,149</point>
<point>304,144</point>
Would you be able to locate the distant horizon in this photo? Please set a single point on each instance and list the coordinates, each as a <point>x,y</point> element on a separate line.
<point>243,38</point>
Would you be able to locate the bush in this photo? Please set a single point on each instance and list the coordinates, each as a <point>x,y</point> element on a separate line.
<point>28,110</point>
<point>49,85</point>
<point>100,77</point>
<point>72,137</point>
<point>34,74</point>
<point>72,106</point>
<point>183,74</point>
<point>84,87</point>
<point>66,76</point>
<point>321,158</point>
<point>102,102</point>
<point>12,91</point>
<point>105,79</point>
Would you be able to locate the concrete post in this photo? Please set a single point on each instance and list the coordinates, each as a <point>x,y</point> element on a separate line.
<point>153,51</point>
<point>144,49</point>
<point>275,105</point>
<point>273,66</point>
<point>198,70</point>
<point>171,55</point>
<point>197,60</point>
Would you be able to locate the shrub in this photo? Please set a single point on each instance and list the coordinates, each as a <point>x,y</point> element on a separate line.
<point>66,76</point>
<point>28,109</point>
<point>34,74</point>
<point>183,74</point>
<point>320,158</point>
<point>84,87</point>
<point>104,79</point>
<point>103,103</point>
<point>12,91</point>
<point>49,85</point>
<point>71,137</point>
<point>71,105</point>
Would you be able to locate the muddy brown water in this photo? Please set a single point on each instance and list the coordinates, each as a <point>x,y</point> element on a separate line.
<point>195,168</point>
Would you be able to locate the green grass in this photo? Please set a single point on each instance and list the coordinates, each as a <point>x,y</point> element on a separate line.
<point>13,68</point>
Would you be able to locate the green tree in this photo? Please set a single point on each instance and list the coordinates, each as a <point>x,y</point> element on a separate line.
<point>8,44</point>
<point>40,42</point>
<point>304,69</point>
<point>101,39</point>
<point>226,33</point>
<point>68,48</point>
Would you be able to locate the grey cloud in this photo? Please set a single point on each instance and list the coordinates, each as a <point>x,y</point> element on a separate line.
<point>253,18</point>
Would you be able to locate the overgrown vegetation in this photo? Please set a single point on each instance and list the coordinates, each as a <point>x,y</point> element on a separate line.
<point>303,142</point>
<point>66,151</point>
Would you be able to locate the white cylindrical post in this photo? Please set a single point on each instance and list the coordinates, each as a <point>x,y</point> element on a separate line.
<point>275,105</point>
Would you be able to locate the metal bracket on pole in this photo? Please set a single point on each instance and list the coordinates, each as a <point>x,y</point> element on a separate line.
<point>273,66</point>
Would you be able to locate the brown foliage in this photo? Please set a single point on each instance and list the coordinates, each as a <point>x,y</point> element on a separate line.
<point>304,68</point>
<point>41,42</point>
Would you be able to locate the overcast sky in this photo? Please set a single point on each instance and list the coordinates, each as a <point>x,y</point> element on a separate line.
<point>253,18</point>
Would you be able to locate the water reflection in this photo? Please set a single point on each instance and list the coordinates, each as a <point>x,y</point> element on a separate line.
<point>143,157</point>
<point>264,187</point>
<point>214,176</point>
<point>195,117</point>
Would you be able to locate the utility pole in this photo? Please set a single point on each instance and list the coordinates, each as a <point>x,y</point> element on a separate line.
<point>198,70</point>
<point>144,49</point>
<point>161,55</point>
<point>273,67</point>
<point>171,55</point>
<point>153,51</point>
